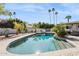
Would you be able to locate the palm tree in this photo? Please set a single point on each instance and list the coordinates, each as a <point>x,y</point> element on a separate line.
<point>56,13</point>
<point>49,15</point>
<point>14,13</point>
<point>10,14</point>
<point>3,11</point>
<point>68,18</point>
<point>53,10</point>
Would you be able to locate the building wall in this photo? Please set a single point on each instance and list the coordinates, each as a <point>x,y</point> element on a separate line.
<point>73,27</point>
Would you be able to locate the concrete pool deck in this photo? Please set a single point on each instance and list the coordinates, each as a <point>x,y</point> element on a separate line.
<point>64,52</point>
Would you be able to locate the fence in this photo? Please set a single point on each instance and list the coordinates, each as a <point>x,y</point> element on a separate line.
<point>8,30</point>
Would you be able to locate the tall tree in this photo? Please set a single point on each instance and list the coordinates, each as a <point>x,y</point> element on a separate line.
<point>56,13</point>
<point>10,14</point>
<point>68,17</point>
<point>1,8</point>
<point>49,15</point>
<point>14,13</point>
<point>3,11</point>
<point>53,10</point>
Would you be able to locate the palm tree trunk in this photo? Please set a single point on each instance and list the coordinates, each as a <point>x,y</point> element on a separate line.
<point>68,20</point>
<point>50,17</point>
<point>14,16</point>
<point>56,20</point>
<point>10,17</point>
<point>53,18</point>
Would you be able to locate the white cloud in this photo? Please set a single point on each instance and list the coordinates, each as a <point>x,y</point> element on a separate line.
<point>32,8</point>
<point>42,12</point>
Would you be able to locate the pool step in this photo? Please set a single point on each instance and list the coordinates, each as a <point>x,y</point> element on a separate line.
<point>62,46</point>
<point>57,47</point>
<point>55,44</point>
<point>68,45</point>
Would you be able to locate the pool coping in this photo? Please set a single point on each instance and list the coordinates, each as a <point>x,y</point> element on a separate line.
<point>57,52</point>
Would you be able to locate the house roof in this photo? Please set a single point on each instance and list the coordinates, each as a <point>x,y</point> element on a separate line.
<point>75,22</point>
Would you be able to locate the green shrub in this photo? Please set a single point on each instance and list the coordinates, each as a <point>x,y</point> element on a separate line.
<point>62,33</point>
<point>59,30</point>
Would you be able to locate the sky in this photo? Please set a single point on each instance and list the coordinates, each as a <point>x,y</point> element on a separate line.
<point>38,12</point>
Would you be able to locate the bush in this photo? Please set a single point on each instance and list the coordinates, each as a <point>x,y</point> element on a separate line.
<point>59,30</point>
<point>62,33</point>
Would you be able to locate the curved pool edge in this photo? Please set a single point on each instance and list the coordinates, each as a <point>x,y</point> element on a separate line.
<point>62,52</point>
<point>5,52</point>
<point>23,37</point>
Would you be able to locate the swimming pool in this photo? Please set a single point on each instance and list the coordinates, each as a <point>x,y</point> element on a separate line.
<point>37,43</point>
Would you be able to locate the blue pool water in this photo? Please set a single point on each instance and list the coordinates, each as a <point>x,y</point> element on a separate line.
<point>37,43</point>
